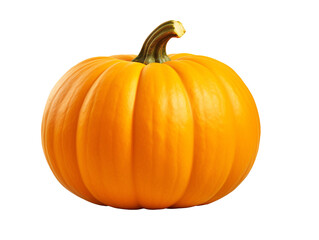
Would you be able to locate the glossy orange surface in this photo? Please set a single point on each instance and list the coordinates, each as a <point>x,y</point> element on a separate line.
<point>129,135</point>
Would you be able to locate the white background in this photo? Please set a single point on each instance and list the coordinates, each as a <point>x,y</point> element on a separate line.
<point>272,45</point>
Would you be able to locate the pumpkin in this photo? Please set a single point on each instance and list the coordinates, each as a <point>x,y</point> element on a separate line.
<point>151,131</point>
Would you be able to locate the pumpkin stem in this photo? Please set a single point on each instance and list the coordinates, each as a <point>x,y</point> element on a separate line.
<point>154,47</point>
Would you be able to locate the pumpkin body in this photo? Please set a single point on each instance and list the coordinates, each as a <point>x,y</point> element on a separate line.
<point>175,134</point>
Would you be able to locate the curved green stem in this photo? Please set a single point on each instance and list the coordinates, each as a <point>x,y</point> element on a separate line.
<point>154,47</point>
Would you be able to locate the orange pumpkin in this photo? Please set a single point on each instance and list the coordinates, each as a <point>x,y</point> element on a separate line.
<point>152,131</point>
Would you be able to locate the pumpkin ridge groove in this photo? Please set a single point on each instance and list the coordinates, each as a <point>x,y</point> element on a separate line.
<point>244,174</point>
<point>243,89</point>
<point>191,109</point>
<point>112,159</point>
<point>132,141</point>
<point>227,94</point>
<point>194,62</point>
<point>115,62</point>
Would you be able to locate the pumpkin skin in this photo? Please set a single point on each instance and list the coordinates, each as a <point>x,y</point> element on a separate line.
<point>180,133</point>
